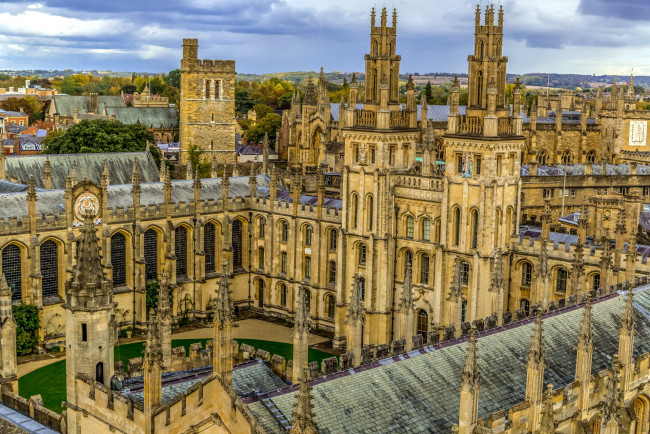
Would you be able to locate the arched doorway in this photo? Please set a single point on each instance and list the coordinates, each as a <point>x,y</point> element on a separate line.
<point>640,406</point>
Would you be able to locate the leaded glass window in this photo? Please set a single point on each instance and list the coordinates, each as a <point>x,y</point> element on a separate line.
<point>50,269</point>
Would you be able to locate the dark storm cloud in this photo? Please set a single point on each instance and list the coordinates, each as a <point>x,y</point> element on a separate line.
<point>634,10</point>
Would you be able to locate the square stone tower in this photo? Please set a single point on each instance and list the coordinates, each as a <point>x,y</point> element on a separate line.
<point>207,104</point>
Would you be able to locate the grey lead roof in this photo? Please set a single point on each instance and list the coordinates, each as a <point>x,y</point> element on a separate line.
<point>150,117</point>
<point>420,393</point>
<point>120,166</point>
<point>65,104</point>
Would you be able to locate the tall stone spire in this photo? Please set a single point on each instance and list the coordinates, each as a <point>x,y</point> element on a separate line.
<point>408,308</point>
<point>469,388</point>
<point>626,341</point>
<point>303,415</point>
<point>300,333</point>
<point>355,320</point>
<point>223,323</point>
<point>535,374</point>
<point>585,350</point>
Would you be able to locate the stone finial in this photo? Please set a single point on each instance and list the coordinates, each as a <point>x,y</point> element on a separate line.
<point>583,221</point>
<point>152,357</point>
<point>470,376</point>
<point>409,84</point>
<point>536,353</point>
<point>214,167</point>
<point>407,300</point>
<point>196,184</point>
<point>188,171</point>
<point>613,394</point>
<point>31,190</point>
<point>106,174</point>
<point>301,321</point>
<point>627,321</point>
<point>303,415</point>
<point>548,417</point>
<point>586,336</point>
<point>455,289</point>
<point>355,310</point>
<point>47,173</point>
<point>75,175</point>
<point>632,254</point>
<point>224,302</point>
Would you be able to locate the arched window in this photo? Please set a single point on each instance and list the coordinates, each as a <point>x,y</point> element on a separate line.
<point>474,229</point>
<point>284,231</point>
<point>456,226</point>
<point>355,208</point>
<point>99,372</point>
<point>333,240</point>
<point>408,259</point>
<point>362,288</point>
<point>464,273</point>
<point>560,283</point>
<point>596,424</point>
<point>424,269</point>
<point>330,303</point>
<point>307,267</point>
<point>370,211</point>
<point>640,406</point>
<point>260,258</point>
<point>180,249</point>
<point>150,254</point>
<point>283,294</point>
<point>481,49</point>
<point>262,227</point>
<point>208,246</point>
<point>118,259</point>
<point>237,257</point>
<point>542,158</point>
<point>526,273</point>
<point>595,282</point>
<point>308,233</point>
<point>207,89</point>
<point>260,292</point>
<point>567,157</point>
<point>283,263</point>
<point>362,254</point>
<point>463,311</point>
<point>50,269</point>
<point>525,305</point>
<point>331,280</point>
<point>409,226</point>
<point>591,157</point>
<point>426,229</point>
<point>423,323</point>
<point>479,88</point>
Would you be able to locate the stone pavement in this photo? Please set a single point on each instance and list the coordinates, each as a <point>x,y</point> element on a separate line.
<point>245,329</point>
<point>13,422</point>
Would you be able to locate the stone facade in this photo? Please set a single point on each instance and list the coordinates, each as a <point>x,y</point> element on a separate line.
<point>207,104</point>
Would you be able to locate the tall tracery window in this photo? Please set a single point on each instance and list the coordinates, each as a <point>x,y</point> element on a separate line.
<point>355,210</point>
<point>464,273</point>
<point>362,254</point>
<point>308,234</point>
<point>333,239</point>
<point>370,210</point>
<point>262,227</point>
<point>542,159</point>
<point>118,259</point>
<point>456,226</point>
<point>560,284</point>
<point>50,269</point>
<point>208,246</point>
<point>474,229</point>
<point>283,263</point>
<point>424,269</point>
<point>526,273</point>
<point>426,229</point>
<point>362,287</point>
<point>307,267</point>
<point>331,273</point>
<point>423,323</point>
<point>409,226</point>
<point>237,243</point>
<point>180,249</point>
<point>567,157</point>
<point>284,231</point>
<point>260,258</point>
<point>330,303</point>
<point>207,89</point>
<point>283,294</point>
<point>150,254</point>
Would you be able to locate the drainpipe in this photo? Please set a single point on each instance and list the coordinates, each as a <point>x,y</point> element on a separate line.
<point>250,241</point>
<point>394,230</point>
<point>194,267</point>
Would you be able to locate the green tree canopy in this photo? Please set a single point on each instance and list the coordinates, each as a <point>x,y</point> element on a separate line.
<point>174,78</point>
<point>270,124</point>
<point>102,136</point>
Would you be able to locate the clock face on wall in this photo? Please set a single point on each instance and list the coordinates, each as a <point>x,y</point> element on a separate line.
<point>638,131</point>
<point>86,202</point>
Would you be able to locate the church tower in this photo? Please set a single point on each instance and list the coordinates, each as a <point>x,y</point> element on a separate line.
<point>89,317</point>
<point>382,64</point>
<point>487,64</point>
<point>483,151</point>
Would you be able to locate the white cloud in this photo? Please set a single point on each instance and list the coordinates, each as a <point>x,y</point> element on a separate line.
<point>37,23</point>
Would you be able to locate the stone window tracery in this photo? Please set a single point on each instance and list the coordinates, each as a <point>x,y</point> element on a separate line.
<point>180,249</point>
<point>50,269</point>
<point>118,259</point>
<point>208,246</point>
<point>150,254</point>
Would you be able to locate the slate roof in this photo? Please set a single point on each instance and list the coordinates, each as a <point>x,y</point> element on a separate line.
<point>65,104</point>
<point>15,128</point>
<point>247,378</point>
<point>418,392</point>
<point>252,150</point>
<point>120,165</point>
<point>156,117</point>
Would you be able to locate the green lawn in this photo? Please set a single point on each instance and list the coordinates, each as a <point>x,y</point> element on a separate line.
<point>49,381</point>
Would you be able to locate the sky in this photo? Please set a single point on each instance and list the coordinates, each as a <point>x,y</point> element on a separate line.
<point>563,36</point>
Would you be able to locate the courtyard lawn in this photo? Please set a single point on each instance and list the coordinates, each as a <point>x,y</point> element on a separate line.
<point>49,381</point>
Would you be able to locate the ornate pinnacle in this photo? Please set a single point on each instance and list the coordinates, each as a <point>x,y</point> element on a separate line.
<point>31,191</point>
<point>632,253</point>
<point>496,280</point>
<point>153,352</point>
<point>164,310</point>
<point>355,310</point>
<point>470,370</point>
<point>301,321</point>
<point>197,179</point>
<point>455,85</point>
<point>455,290</point>
<point>407,290</point>
<point>620,223</point>
<point>586,336</point>
<point>613,394</point>
<point>542,269</point>
<point>224,304</point>
<point>548,419</point>
<point>606,257</point>
<point>536,353</point>
<point>627,322</point>
<point>409,83</point>
<point>546,215</point>
<point>88,270</point>
<point>303,415</point>
<point>582,220</point>
<point>578,265</point>
<point>5,290</point>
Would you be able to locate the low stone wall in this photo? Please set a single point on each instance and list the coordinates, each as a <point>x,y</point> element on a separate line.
<point>33,408</point>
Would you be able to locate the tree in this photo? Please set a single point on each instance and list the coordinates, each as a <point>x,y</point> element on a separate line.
<point>427,93</point>
<point>102,136</point>
<point>270,124</point>
<point>262,110</point>
<point>29,105</point>
<point>27,325</point>
<point>174,78</point>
